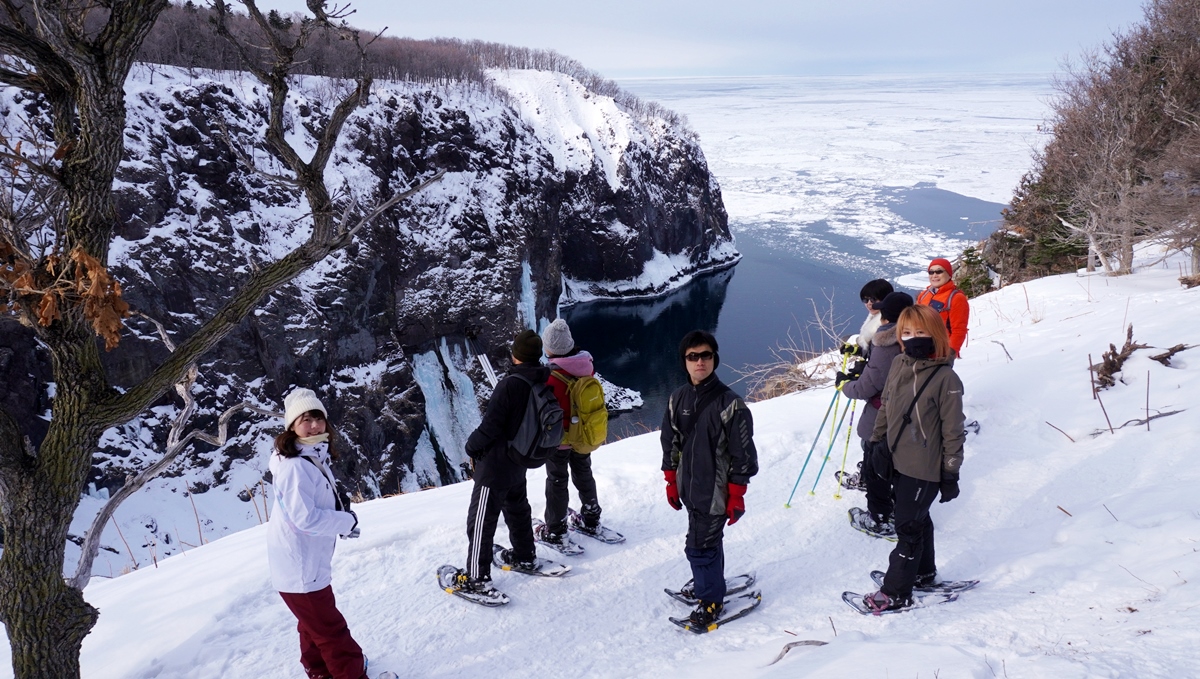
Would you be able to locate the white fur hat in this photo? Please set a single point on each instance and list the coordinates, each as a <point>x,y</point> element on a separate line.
<point>556,338</point>
<point>297,403</point>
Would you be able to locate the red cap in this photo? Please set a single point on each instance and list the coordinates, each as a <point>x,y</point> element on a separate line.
<point>944,263</point>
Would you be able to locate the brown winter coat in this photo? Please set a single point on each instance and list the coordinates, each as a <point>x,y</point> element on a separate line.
<point>933,440</point>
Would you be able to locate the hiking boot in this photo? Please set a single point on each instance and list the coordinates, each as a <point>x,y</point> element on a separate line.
<point>591,517</point>
<point>506,557</point>
<point>706,613</point>
<point>551,538</point>
<point>927,580</point>
<point>879,602</point>
<point>884,527</point>
<point>853,481</point>
<point>466,582</point>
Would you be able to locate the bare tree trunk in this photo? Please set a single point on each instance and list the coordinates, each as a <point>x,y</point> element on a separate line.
<point>45,618</point>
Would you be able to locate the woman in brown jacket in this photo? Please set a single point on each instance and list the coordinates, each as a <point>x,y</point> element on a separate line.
<point>921,422</point>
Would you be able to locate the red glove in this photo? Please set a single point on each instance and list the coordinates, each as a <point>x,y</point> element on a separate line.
<point>735,506</point>
<point>672,490</point>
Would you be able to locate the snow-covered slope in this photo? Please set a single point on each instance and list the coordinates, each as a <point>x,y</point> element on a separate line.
<point>1087,549</point>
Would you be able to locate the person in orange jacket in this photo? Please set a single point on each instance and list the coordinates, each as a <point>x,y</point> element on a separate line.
<point>950,302</point>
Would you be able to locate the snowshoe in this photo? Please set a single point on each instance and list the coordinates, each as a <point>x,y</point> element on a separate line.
<point>502,558</point>
<point>886,605</point>
<point>599,532</point>
<point>932,586</point>
<point>563,544</point>
<point>733,585</point>
<point>863,522</point>
<point>382,675</point>
<point>850,481</point>
<point>971,427</point>
<point>455,581</point>
<point>703,621</point>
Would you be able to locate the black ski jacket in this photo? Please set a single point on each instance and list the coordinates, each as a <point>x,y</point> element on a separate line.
<point>488,444</point>
<point>708,449</point>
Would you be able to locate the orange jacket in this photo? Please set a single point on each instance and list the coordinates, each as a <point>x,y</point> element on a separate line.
<point>954,308</point>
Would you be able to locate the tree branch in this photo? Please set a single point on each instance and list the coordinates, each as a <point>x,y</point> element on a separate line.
<point>124,407</point>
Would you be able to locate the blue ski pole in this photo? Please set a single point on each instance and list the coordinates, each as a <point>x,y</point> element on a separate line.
<point>816,437</point>
<point>828,451</point>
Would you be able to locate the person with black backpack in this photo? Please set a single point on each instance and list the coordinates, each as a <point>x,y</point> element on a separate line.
<point>708,459</point>
<point>504,446</point>
<point>917,445</point>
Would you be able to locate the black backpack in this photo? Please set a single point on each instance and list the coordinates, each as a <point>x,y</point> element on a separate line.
<point>541,427</point>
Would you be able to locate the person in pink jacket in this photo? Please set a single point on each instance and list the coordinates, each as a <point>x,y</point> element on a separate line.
<point>567,463</point>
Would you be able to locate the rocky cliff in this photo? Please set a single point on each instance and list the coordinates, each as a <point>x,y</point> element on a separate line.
<point>552,195</point>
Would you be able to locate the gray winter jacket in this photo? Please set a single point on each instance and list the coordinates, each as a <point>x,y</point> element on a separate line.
<point>884,348</point>
<point>933,441</point>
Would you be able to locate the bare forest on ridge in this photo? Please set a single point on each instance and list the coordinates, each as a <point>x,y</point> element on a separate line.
<point>1122,164</point>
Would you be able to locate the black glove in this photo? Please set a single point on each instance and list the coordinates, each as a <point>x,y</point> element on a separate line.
<point>857,369</point>
<point>843,377</point>
<point>948,487</point>
<point>881,460</point>
<point>851,349</point>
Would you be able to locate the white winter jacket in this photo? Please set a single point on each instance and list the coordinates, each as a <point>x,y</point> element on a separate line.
<point>305,522</point>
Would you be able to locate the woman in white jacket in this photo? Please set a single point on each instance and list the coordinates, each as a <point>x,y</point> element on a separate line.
<point>309,516</point>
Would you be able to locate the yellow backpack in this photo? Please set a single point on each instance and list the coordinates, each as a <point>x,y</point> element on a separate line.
<point>589,416</point>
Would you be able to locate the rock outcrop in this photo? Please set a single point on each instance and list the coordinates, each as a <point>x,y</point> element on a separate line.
<point>548,189</point>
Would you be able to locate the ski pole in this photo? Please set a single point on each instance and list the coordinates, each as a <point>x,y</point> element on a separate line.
<point>837,494</point>
<point>816,437</point>
<point>827,452</point>
<point>832,435</point>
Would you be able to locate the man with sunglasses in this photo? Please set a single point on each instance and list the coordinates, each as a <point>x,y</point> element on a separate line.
<point>951,303</point>
<point>708,459</point>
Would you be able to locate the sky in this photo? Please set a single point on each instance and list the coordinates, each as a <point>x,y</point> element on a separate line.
<point>637,38</point>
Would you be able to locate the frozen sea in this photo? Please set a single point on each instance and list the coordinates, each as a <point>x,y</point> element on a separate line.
<point>829,182</point>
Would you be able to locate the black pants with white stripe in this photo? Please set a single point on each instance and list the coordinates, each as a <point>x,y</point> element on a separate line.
<point>486,506</point>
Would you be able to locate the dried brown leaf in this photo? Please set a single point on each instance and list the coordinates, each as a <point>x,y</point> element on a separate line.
<point>47,309</point>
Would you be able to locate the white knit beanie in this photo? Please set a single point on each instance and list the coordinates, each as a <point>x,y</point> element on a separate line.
<point>556,338</point>
<point>297,403</point>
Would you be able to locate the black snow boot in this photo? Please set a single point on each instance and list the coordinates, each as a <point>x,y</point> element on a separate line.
<point>706,613</point>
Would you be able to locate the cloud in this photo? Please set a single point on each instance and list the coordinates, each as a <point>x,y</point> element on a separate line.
<point>757,37</point>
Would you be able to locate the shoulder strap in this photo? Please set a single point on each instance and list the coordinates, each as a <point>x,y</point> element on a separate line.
<point>567,378</point>
<point>908,414</point>
<point>337,491</point>
<point>950,299</point>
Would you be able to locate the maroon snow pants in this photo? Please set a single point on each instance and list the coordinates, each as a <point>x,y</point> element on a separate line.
<point>326,647</point>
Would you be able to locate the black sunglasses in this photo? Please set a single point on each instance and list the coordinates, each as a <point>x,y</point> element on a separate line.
<point>936,272</point>
<point>702,356</point>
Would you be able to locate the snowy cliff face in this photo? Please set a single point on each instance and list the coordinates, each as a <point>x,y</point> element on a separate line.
<point>547,187</point>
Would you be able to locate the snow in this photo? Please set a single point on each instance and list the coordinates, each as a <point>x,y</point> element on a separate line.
<point>1088,550</point>
<point>661,274</point>
<point>578,127</point>
<point>794,152</point>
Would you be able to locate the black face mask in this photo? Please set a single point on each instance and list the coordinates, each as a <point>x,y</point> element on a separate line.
<point>919,348</point>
